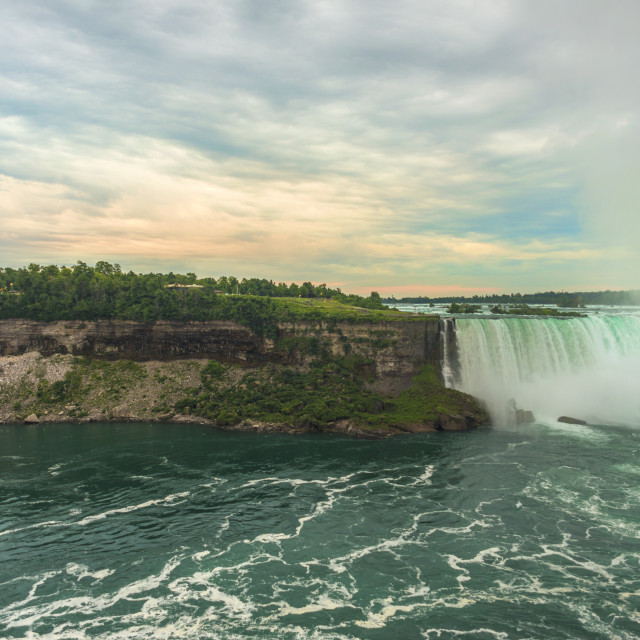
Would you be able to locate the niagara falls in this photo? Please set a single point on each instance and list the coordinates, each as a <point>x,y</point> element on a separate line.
<point>319,320</point>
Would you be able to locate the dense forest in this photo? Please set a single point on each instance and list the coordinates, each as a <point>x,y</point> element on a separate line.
<point>558,298</point>
<point>105,291</point>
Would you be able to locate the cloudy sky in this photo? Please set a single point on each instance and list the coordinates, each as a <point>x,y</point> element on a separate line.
<point>412,147</point>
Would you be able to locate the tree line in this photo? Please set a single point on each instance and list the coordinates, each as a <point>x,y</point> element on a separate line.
<point>558,298</point>
<point>105,291</point>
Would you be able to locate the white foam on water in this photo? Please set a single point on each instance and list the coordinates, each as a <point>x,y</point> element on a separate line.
<point>37,525</point>
<point>201,586</point>
<point>215,482</point>
<point>258,481</point>
<point>425,478</point>
<point>319,509</point>
<point>550,551</point>
<point>225,525</point>
<point>170,499</point>
<point>87,605</point>
<point>149,583</point>
<point>82,571</point>
<point>461,529</point>
<point>30,616</point>
<point>378,620</point>
<point>584,432</point>
<point>454,563</point>
<point>152,609</point>
<point>420,591</point>
<point>39,581</point>
<point>559,559</point>
<point>544,490</point>
<point>271,537</point>
<point>323,603</point>
<point>339,564</point>
<point>296,482</point>
<point>595,624</point>
<point>434,634</point>
<point>233,605</point>
<point>534,585</point>
<point>81,605</point>
<point>492,552</point>
<point>454,602</point>
<point>193,584</point>
<point>628,468</point>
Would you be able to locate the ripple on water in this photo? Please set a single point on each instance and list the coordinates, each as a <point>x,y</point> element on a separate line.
<point>385,540</point>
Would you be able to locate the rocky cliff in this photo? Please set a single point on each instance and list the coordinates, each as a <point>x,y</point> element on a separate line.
<point>396,349</point>
<point>113,339</point>
<point>39,364</point>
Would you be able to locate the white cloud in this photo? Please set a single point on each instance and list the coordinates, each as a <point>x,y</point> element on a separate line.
<point>411,140</point>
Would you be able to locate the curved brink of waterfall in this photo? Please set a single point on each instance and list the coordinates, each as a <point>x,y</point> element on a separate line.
<point>587,368</point>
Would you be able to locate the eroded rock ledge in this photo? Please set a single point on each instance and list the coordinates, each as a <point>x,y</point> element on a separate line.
<point>137,372</point>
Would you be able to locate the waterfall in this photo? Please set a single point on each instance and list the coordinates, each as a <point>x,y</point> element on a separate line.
<point>587,368</point>
<point>449,362</point>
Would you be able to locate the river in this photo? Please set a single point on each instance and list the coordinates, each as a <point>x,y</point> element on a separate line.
<point>147,531</point>
<point>173,531</point>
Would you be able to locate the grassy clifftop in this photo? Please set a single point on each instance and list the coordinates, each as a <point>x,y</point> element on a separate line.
<point>105,292</point>
<point>330,310</point>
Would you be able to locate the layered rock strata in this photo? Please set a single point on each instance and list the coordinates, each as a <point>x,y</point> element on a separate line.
<point>33,354</point>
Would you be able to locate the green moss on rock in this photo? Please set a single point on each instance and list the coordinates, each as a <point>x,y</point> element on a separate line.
<point>328,392</point>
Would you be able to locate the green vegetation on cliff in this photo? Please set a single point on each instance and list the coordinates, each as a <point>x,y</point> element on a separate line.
<point>104,292</point>
<point>322,395</point>
<point>427,400</point>
<point>82,292</point>
<point>330,310</point>
<point>329,391</point>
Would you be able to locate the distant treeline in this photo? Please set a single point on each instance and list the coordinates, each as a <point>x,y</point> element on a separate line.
<point>558,298</point>
<point>104,291</point>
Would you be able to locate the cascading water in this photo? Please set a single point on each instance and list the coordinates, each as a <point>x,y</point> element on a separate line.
<point>587,368</point>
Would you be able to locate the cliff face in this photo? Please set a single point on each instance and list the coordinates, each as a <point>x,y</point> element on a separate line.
<point>132,340</point>
<point>394,351</point>
<point>370,379</point>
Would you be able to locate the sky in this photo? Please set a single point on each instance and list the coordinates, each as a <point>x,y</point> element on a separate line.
<point>414,147</point>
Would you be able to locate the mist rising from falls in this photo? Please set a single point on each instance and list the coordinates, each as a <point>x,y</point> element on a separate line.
<point>588,368</point>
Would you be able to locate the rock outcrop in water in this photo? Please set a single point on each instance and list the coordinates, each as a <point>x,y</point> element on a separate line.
<point>570,420</point>
<point>516,416</point>
<point>120,370</point>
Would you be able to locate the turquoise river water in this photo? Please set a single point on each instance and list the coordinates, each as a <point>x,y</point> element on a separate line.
<point>167,531</point>
<point>512,532</point>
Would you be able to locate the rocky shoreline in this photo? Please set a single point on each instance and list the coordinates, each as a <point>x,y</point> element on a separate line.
<point>342,427</point>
